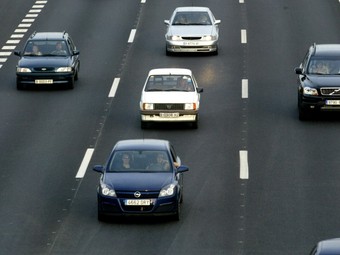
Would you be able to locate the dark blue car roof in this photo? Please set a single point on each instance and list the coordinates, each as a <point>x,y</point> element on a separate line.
<point>142,144</point>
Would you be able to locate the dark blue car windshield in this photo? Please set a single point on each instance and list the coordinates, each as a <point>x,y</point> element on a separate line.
<point>140,161</point>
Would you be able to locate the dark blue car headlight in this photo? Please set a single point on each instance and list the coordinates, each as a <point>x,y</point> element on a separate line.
<point>107,191</point>
<point>168,190</point>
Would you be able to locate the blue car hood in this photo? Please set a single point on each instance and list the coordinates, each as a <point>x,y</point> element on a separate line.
<point>132,181</point>
<point>33,62</point>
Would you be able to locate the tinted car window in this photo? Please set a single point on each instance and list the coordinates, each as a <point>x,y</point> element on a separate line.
<point>140,161</point>
<point>192,18</point>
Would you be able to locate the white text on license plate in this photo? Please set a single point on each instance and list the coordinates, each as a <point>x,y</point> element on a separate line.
<point>332,102</point>
<point>137,202</point>
<point>169,114</point>
<point>43,81</point>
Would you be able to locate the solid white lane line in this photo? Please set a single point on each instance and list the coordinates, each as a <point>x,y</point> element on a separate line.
<point>114,87</point>
<point>244,88</point>
<point>243,36</point>
<point>132,35</point>
<point>85,163</point>
<point>244,169</point>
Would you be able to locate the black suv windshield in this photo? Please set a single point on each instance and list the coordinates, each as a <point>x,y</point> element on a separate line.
<point>318,65</point>
<point>46,48</point>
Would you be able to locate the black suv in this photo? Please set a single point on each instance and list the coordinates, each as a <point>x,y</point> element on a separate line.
<point>48,58</point>
<point>319,80</point>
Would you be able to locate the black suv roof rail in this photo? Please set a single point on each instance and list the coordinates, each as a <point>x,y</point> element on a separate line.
<point>314,48</point>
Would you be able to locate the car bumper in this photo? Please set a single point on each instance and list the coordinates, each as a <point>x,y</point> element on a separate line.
<point>44,79</point>
<point>116,206</point>
<point>181,116</point>
<point>320,103</point>
<point>191,46</point>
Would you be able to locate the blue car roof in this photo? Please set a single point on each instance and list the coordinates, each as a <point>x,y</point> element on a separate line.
<point>142,144</point>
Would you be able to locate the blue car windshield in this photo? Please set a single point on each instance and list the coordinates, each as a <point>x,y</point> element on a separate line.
<point>140,161</point>
<point>46,48</point>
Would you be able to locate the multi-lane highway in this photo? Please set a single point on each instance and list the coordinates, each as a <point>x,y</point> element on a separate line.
<point>260,180</point>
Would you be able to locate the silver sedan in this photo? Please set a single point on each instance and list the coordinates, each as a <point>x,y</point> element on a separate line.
<point>192,29</point>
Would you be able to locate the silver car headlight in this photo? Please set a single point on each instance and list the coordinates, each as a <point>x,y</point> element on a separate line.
<point>173,37</point>
<point>190,106</point>
<point>106,191</point>
<point>310,91</point>
<point>23,70</point>
<point>64,69</point>
<point>168,190</point>
<point>147,106</point>
<point>209,37</point>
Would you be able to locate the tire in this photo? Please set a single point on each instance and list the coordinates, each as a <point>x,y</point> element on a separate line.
<point>144,124</point>
<point>101,216</point>
<point>76,77</point>
<point>304,115</point>
<point>20,86</point>
<point>177,215</point>
<point>168,53</point>
<point>71,83</point>
<point>194,124</point>
<point>215,53</point>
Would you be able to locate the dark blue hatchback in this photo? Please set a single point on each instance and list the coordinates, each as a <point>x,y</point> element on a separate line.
<point>141,177</point>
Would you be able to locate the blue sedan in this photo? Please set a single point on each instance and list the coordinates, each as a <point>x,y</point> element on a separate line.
<point>141,177</point>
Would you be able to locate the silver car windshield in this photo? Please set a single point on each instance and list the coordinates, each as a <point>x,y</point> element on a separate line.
<point>191,18</point>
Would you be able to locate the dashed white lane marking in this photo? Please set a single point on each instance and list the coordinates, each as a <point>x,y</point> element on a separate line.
<point>244,88</point>
<point>242,1</point>
<point>114,87</point>
<point>19,33</point>
<point>85,163</point>
<point>244,169</point>
<point>144,1</point>
<point>243,36</point>
<point>132,35</point>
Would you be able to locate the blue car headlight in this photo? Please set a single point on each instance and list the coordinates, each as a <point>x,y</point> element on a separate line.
<point>167,191</point>
<point>107,191</point>
<point>23,70</point>
<point>64,69</point>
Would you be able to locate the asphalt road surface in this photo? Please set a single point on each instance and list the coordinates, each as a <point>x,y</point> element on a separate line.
<point>260,180</point>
